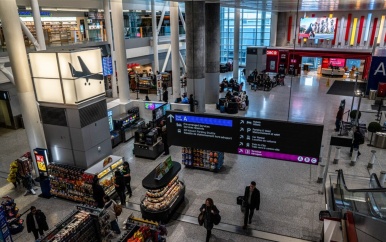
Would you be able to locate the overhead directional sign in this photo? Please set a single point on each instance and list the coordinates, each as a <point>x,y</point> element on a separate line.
<point>281,140</point>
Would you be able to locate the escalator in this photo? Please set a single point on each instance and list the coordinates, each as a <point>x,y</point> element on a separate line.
<point>356,209</point>
<point>365,195</point>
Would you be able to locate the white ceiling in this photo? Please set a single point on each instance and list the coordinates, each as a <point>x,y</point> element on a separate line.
<point>268,5</point>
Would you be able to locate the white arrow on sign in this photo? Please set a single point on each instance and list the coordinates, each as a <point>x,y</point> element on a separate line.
<point>171,117</point>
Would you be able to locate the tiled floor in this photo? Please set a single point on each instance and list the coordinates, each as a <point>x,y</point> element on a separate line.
<point>290,202</point>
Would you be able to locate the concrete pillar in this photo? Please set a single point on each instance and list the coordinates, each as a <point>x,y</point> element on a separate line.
<point>195,51</point>
<point>212,52</point>
<point>236,48</point>
<point>372,160</point>
<point>155,37</point>
<point>22,76</point>
<point>120,49</point>
<point>109,33</point>
<point>175,43</point>
<point>337,155</point>
<point>354,157</point>
<point>273,32</point>
<point>38,24</point>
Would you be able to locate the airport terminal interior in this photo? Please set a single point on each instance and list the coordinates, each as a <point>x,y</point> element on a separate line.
<point>295,66</point>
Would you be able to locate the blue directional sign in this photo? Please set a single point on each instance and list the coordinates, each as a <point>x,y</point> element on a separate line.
<point>203,120</point>
<point>107,65</point>
<point>377,72</point>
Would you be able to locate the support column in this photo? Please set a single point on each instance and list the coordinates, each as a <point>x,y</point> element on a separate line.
<point>155,37</point>
<point>212,52</point>
<point>273,32</point>
<point>109,33</point>
<point>195,51</point>
<point>21,71</point>
<point>120,50</point>
<point>175,43</point>
<point>38,24</point>
<point>236,48</point>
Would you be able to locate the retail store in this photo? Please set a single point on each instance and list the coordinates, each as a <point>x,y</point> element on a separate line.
<point>339,63</point>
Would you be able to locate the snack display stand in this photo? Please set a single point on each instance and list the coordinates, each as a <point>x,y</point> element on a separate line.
<point>83,224</point>
<point>75,184</point>
<point>137,229</point>
<point>5,234</point>
<point>165,191</point>
<point>202,159</point>
<point>105,170</point>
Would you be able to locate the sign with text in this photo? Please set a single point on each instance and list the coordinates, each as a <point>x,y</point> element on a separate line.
<point>377,73</point>
<point>281,140</point>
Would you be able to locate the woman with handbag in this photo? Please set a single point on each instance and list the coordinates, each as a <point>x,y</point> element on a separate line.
<point>208,213</point>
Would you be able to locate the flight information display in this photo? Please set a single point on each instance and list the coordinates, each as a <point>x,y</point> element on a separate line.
<point>297,142</point>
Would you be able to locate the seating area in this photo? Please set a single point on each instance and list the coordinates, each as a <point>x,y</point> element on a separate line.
<point>264,82</point>
<point>231,85</point>
<point>232,103</point>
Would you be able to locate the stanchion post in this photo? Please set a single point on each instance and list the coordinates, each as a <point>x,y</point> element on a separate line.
<point>372,160</point>
<point>382,178</point>
<point>337,155</point>
<point>354,157</point>
<point>321,173</point>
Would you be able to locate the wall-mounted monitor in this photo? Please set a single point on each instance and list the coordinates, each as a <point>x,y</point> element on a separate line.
<point>317,28</point>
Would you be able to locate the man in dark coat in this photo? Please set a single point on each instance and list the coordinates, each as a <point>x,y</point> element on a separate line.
<point>127,176</point>
<point>120,187</point>
<point>98,192</point>
<point>36,222</point>
<point>251,202</point>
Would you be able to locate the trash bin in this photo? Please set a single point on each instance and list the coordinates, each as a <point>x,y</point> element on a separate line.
<point>372,94</point>
<point>380,140</point>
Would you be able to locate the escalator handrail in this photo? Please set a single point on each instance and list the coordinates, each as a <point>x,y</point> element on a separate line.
<point>381,189</point>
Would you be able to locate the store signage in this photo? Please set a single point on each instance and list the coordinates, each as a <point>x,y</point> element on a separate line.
<point>297,142</point>
<point>95,15</point>
<point>163,168</point>
<point>272,52</point>
<point>41,157</point>
<point>29,13</point>
<point>283,56</point>
<point>377,73</point>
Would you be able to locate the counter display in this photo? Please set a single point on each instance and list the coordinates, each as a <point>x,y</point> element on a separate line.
<point>333,72</point>
<point>83,224</point>
<point>202,159</point>
<point>105,170</point>
<point>164,195</point>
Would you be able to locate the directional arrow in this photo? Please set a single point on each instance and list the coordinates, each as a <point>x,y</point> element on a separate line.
<point>171,117</point>
<point>241,121</point>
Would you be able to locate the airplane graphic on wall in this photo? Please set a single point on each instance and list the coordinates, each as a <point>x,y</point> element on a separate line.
<point>85,73</point>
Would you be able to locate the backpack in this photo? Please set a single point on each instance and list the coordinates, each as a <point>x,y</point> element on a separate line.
<point>361,139</point>
<point>117,209</point>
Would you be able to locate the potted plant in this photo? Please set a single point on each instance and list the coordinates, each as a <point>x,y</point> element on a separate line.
<point>353,115</point>
<point>373,128</point>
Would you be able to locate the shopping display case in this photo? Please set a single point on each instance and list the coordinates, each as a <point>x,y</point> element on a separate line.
<point>202,159</point>
<point>105,171</point>
<point>165,191</point>
<point>83,224</point>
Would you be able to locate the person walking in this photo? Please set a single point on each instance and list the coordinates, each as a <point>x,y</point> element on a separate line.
<point>98,192</point>
<point>36,222</point>
<point>358,140</point>
<point>120,187</point>
<point>251,202</point>
<point>109,207</point>
<point>127,177</point>
<point>339,117</point>
<point>209,210</point>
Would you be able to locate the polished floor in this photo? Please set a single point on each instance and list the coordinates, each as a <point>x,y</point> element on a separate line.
<point>290,199</point>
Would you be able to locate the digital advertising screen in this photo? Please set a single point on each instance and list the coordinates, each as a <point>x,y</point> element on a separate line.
<point>338,62</point>
<point>296,142</point>
<point>317,28</point>
<point>110,118</point>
